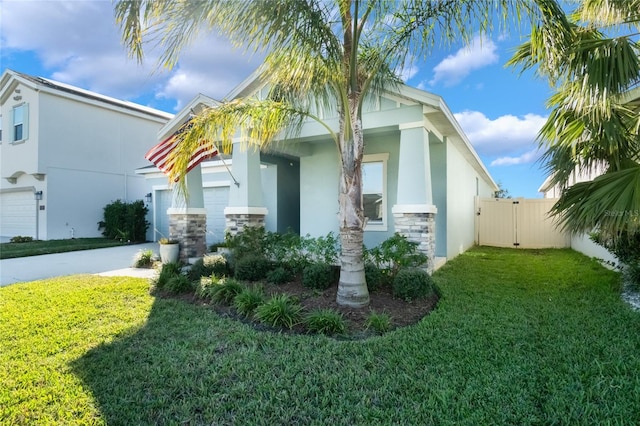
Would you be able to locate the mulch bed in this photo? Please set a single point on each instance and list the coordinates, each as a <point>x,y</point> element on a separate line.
<point>402,313</point>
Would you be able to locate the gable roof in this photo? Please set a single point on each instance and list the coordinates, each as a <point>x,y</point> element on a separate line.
<point>11,79</point>
<point>434,106</point>
<point>196,105</point>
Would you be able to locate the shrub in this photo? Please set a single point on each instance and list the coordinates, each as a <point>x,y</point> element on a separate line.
<point>252,267</point>
<point>179,284</point>
<point>280,275</point>
<point>373,276</point>
<point>224,290</point>
<point>325,321</point>
<point>324,249</point>
<point>378,322</point>
<point>412,283</point>
<point>20,239</point>
<point>251,241</point>
<point>125,221</point>
<point>248,300</point>
<point>143,259</point>
<point>210,264</point>
<point>318,276</point>
<point>279,311</point>
<point>625,247</point>
<point>168,271</point>
<point>395,253</point>
<point>287,249</point>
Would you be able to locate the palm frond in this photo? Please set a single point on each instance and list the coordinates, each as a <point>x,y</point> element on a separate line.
<point>609,203</point>
<point>255,122</point>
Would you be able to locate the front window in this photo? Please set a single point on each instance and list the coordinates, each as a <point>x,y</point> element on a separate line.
<point>374,185</point>
<point>19,127</point>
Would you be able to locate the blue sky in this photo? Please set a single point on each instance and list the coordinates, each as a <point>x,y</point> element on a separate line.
<point>78,42</point>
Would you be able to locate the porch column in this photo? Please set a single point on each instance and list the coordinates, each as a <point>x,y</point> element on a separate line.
<point>414,212</point>
<point>246,207</point>
<point>188,217</point>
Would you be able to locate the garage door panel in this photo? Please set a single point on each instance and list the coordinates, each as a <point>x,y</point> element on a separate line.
<point>17,214</point>
<point>215,201</point>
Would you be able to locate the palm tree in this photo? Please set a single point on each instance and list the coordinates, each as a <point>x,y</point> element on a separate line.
<point>320,54</point>
<point>592,59</point>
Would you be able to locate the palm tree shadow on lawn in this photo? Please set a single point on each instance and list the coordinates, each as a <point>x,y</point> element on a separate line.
<point>190,364</point>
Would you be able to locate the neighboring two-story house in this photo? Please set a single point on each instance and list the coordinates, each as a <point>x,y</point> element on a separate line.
<point>65,153</point>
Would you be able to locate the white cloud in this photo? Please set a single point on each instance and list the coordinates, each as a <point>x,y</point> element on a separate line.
<point>505,135</point>
<point>454,68</point>
<point>527,157</point>
<point>210,66</point>
<point>78,42</point>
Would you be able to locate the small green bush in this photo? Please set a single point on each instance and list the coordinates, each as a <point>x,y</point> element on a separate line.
<point>179,284</point>
<point>248,300</point>
<point>20,239</point>
<point>168,271</point>
<point>280,275</point>
<point>209,264</point>
<point>252,267</point>
<point>393,254</point>
<point>318,276</point>
<point>143,259</point>
<point>412,283</point>
<point>378,322</point>
<point>279,311</point>
<point>224,290</point>
<point>373,276</point>
<point>325,321</point>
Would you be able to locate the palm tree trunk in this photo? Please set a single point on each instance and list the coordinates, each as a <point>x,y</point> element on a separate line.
<point>352,287</point>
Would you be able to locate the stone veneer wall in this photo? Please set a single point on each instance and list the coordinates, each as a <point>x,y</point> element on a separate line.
<point>419,228</point>
<point>235,223</point>
<point>190,230</point>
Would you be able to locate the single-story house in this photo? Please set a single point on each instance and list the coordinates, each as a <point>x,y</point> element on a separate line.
<point>420,177</point>
<point>65,153</point>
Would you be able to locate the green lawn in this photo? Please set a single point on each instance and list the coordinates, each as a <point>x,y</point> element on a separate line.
<point>519,337</point>
<point>34,248</point>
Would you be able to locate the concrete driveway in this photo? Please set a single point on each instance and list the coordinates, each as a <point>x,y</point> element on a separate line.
<point>105,261</point>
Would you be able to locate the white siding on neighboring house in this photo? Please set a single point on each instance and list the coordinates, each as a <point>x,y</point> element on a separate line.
<point>81,149</point>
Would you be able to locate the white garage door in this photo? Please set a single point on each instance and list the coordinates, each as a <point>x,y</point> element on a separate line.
<point>215,200</point>
<point>18,214</point>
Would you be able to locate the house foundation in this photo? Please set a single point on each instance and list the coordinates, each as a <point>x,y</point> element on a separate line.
<point>418,225</point>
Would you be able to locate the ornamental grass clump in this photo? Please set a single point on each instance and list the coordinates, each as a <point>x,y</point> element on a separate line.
<point>378,322</point>
<point>248,300</point>
<point>143,259</point>
<point>325,321</point>
<point>279,311</point>
<point>168,271</point>
<point>224,290</point>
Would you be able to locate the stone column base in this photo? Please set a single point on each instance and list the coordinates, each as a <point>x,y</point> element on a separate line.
<point>190,228</point>
<point>238,218</point>
<point>418,227</point>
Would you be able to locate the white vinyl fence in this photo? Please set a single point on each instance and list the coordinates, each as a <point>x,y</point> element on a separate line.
<point>517,223</point>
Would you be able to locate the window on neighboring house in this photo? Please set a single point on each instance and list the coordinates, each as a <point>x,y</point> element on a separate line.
<point>20,125</point>
<point>374,191</point>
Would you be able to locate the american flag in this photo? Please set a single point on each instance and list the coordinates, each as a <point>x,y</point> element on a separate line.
<point>159,154</point>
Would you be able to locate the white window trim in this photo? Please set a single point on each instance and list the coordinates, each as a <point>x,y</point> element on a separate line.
<point>375,158</point>
<point>25,123</point>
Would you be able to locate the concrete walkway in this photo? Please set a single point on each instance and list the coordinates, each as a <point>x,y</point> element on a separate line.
<point>112,261</point>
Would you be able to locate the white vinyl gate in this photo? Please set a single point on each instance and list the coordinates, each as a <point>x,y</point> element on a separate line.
<point>519,223</point>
